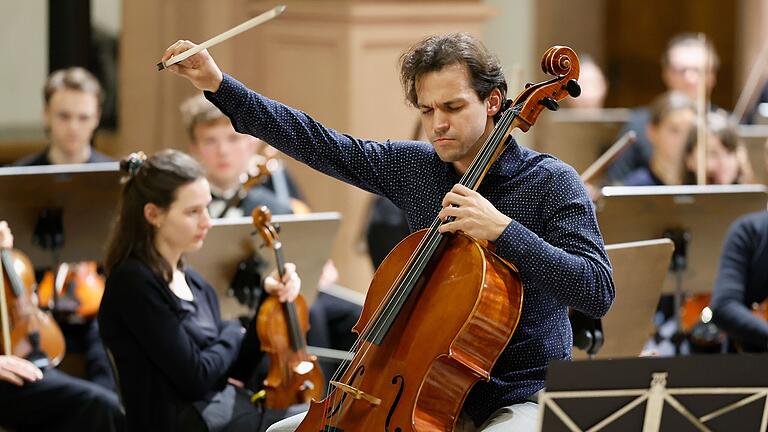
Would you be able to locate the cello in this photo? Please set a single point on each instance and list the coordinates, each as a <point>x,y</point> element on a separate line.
<point>294,376</point>
<point>440,309</point>
<point>27,331</point>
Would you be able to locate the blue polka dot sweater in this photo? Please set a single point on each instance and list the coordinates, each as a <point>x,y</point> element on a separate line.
<point>553,238</point>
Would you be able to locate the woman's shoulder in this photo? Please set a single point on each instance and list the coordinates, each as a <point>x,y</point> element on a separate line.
<point>130,266</point>
<point>130,273</point>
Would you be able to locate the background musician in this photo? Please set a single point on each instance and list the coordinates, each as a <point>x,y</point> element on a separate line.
<point>227,156</point>
<point>672,116</point>
<point>178,362</point>
<point>727,160</point>
<point>71,115</point>
<point>532,206</point>
<point>681,66</point>
<point>742,281</point>
<point>73,99</point>
<point>50,400</point>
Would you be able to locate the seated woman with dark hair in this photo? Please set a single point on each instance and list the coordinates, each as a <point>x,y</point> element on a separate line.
<point>727,161</point>
<point>180,366</point>
<point>671,117</point>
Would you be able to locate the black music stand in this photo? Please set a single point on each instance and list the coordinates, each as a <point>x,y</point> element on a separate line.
<point>681,394</point>
<point>60,213</point>
<point>695,217</point>
<point>307,242</point>
<point>639,269</point>
<point>578,136</point>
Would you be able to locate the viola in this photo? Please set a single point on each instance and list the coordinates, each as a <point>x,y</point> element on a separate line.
<point>441,307</point>
<point>27,331</point>
<point>252,178</point>
<point>75,291</point>
<point>294,376</point>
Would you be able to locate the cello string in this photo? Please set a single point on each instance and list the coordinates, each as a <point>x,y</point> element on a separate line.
<point>424,252</point>
<point>417,260</point>
<point>401,288</point>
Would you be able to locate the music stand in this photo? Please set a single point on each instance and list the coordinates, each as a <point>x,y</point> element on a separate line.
<point>695,216</point>
<point>578,136</point>
<point>307,242</point>
<point>84,196</point>
<point>694,393</point>
<point>639,269</point>
<point>627,214</point>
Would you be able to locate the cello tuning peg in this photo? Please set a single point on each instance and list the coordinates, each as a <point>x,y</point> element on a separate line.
<point>573,88</point>
<point>550,104</point>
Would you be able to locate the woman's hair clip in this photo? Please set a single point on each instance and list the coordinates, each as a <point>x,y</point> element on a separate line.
<point>133,162</point>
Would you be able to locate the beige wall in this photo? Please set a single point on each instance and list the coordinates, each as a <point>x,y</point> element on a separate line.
<point>24,46</point>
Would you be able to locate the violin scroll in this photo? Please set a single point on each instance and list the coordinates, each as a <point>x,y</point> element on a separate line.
<point>261,220</point>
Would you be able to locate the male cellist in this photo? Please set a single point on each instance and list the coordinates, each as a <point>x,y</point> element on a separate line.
<point>532,206</point>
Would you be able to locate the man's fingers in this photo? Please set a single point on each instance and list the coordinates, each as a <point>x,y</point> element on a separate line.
<point>462,190</point>
<point>449,227</point>
<point>171,50</point>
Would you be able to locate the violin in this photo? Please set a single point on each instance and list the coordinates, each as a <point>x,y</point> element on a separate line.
<point>294,376</point>
<point>75,291</point>
<point>27,331</point>
<point>250,179</point>
<point>440,309</point>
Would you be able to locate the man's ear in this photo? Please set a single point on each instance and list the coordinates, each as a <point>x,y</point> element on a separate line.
<point>493,102</point>
<point>153,214</point>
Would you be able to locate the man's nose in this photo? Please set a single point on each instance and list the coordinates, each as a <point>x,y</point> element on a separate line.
<point>440,122</point>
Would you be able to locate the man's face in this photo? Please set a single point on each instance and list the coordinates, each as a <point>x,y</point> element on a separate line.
<point>684,71</point>
<point>454,119</point>
<point>71,116</point>
<point>222,151</point>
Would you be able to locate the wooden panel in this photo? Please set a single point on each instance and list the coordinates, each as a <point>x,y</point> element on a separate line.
<point>637,34</point>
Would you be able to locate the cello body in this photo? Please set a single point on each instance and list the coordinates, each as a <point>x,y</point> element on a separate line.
<point>417,378</point>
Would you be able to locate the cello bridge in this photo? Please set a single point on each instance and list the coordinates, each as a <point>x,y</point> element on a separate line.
<point>356,393</point>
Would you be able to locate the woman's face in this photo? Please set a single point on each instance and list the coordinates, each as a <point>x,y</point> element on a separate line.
<point>183,226</point>
<point>722,164</point>
<point>670,135</point>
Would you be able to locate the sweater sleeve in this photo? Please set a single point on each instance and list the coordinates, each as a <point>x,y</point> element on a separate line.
<point>142,309</point>
<point>569,258</point>
<point>367,164</point>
